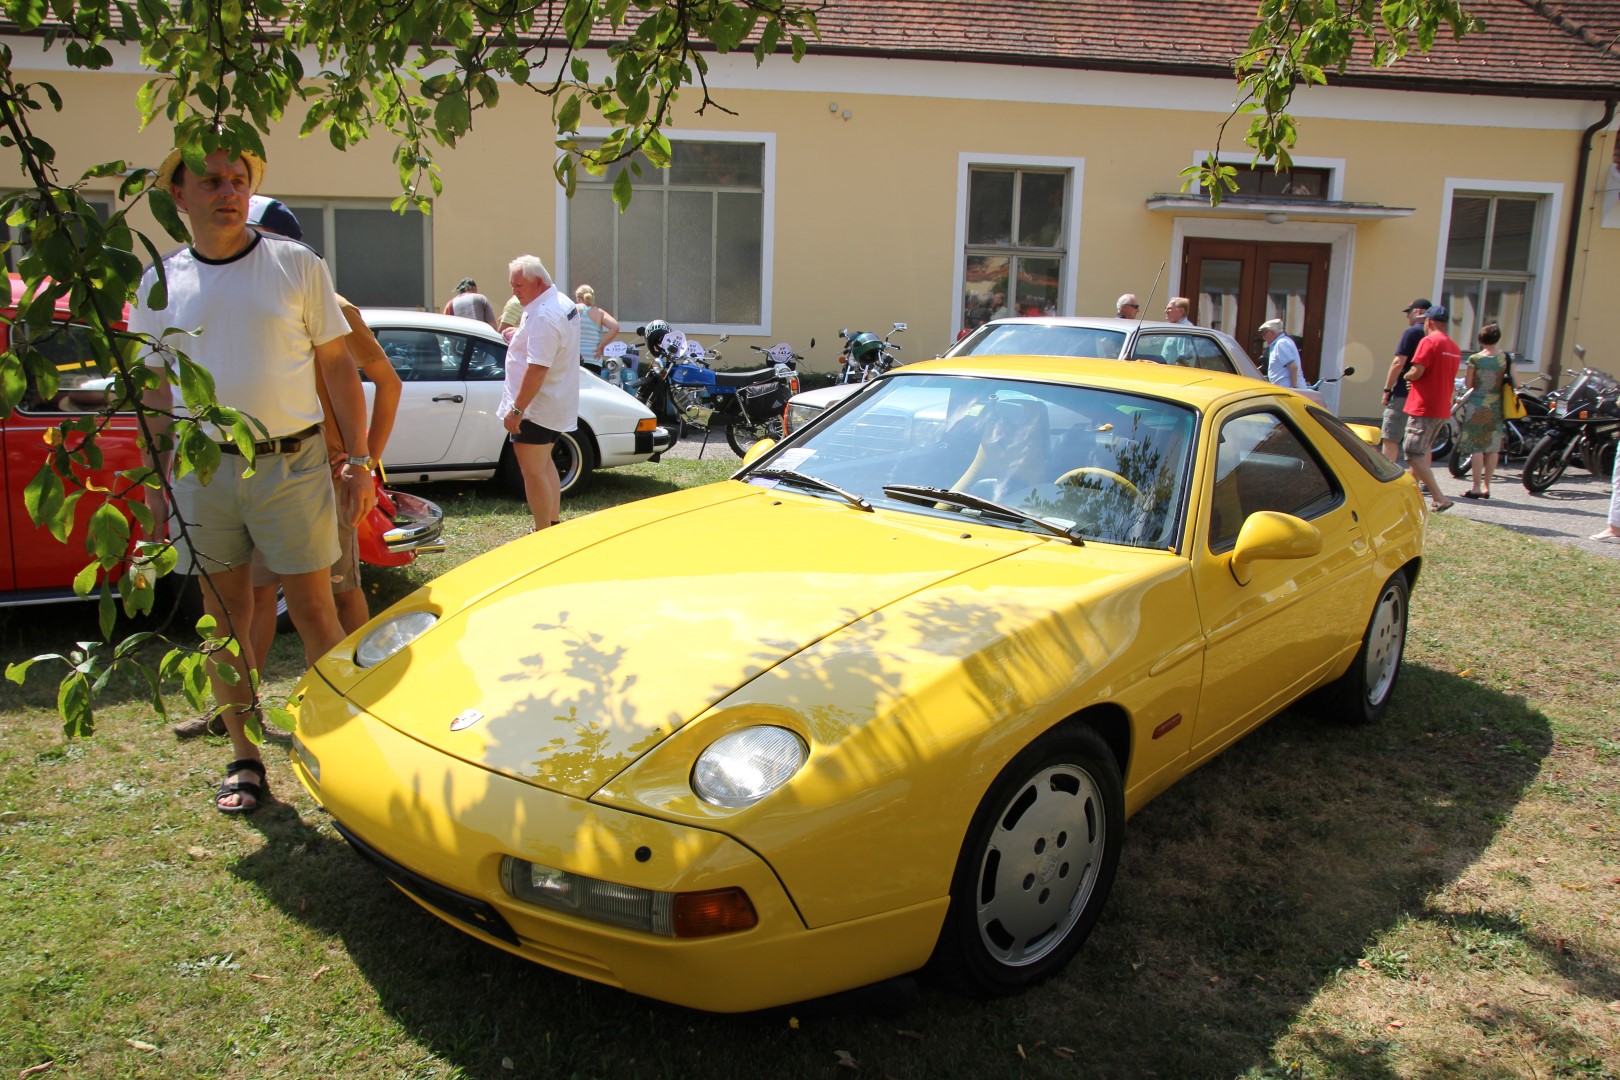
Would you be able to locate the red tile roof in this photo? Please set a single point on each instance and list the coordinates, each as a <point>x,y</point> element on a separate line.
<point>1563,48</point>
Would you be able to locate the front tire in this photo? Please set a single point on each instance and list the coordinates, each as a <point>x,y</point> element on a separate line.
<point>1361,695</point>
<point>741,436</point>
<point>1461,463</point>
<point>1545,464</point>
<point>1036,866</point>
<point>1444,440</point>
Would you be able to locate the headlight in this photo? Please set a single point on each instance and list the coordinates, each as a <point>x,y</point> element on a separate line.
<point>391,635</point>
<point>745,766</point>
<point>799,415</point>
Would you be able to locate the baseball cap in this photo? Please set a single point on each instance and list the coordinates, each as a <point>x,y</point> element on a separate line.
<point>272,215</point>
<point>1439,314</point>
<point>1420,304</point>
<point>1273,325</point>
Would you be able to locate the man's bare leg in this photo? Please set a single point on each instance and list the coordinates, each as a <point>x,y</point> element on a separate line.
<point>542,487</point>
<point>232,610</point>
<point>352,610</point>
<point>313,611</point>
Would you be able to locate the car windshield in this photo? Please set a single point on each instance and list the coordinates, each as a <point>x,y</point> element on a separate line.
<point>1042,339</point>
<point>1099,464</point>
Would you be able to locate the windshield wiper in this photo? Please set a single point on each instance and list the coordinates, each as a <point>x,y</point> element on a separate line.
<point>928,496</point>
<point>792,476</point>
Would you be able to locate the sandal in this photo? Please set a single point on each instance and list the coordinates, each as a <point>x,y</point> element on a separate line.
<point>257,792</point>
<point>1441,508</point>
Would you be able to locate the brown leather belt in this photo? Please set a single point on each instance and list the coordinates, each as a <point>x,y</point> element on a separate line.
<point>287,444</point>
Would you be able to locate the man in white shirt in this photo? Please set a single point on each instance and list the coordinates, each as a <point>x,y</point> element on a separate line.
<point>260,316</point>
<point>541,400</point>
<point>1282,355</point>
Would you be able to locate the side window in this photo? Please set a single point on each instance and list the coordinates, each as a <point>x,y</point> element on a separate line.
<point>486,361</point>
<point>423,356</point>
<point>80,385</point>
<point>1149,347</point>
<point>1262,464</point>
<point>1178,349</point>
<point>1209,356</point>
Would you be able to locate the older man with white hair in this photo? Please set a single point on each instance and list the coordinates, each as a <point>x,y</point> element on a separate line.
<point>1282,355</point>
<point>1127,307</point>
<point>541,400</point>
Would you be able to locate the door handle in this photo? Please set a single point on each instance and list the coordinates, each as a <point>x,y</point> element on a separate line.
<point>449,397</point>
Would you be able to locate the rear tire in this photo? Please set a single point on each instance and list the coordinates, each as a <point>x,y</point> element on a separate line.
<point>574,454</point>
<point>1545,464</point>
<point>1036,865</point>
<point>742,436</point>
<point>1361,695</point>
<point>1460,462</point>
<point>1443,441</point>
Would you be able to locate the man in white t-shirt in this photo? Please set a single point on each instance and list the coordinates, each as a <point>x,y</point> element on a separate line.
<point>541,400</point>
<point>259,315</point>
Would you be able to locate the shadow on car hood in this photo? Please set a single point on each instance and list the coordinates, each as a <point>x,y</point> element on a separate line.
<point>578,668</point>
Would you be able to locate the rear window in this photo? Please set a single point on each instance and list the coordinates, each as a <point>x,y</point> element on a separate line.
<point>1366,455</point>
<point>1031,339</point>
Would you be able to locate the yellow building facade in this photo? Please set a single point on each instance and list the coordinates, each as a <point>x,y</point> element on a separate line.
<point>857,192</point>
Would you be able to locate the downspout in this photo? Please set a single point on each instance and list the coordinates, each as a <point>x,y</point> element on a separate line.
<point>1555,366</point>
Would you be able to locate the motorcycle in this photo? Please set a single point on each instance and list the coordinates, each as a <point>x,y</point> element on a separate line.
<point>866,355</point>
<point>1585,421</point>
<point>681,381</point>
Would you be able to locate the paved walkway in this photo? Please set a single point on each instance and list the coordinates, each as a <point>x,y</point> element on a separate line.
<point>1566,513</point>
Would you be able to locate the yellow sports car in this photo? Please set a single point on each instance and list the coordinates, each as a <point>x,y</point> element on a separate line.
<point>884,698</point>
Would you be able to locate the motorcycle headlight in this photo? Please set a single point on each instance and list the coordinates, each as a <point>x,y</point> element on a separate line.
<point>391,635</point>
<point>743,767</point>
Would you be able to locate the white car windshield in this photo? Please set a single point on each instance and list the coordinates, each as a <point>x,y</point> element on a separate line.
<point>1104,465</point>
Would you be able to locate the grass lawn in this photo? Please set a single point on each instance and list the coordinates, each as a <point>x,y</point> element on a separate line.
<point>1437,896</point>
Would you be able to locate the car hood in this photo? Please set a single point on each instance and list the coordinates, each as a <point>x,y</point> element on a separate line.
<point>562,674</point>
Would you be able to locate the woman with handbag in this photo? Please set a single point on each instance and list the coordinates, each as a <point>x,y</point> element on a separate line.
<point>1479,412</point>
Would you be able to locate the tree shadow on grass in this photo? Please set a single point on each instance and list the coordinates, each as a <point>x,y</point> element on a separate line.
<point>1243,892</point>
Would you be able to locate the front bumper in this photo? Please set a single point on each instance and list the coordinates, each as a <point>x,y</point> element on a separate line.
<point>439,827</point>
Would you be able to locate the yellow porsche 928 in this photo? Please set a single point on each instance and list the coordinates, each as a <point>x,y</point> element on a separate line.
<point>882,700</point>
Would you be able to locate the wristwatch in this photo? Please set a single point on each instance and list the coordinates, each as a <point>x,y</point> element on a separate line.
<point>355,459</point>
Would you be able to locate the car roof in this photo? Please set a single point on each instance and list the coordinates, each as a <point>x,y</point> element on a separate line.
<point>1195,386</point>
<point>429,320</point>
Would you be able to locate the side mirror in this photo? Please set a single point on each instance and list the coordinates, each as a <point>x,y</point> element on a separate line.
<point>1270,535</point>
<point>641,331</point>
<point>1367,434</point>
<point>899,326</point>
<point>722,339</point>
<point>1347,372</point>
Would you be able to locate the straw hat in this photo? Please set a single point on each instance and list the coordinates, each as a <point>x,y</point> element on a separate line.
<point>254,163</point>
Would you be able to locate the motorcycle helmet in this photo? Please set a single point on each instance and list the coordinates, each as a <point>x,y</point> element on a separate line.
<point>864,347</point>
<point>654,332</point>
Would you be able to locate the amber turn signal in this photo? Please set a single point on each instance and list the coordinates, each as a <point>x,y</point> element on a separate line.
<point>705,914</point>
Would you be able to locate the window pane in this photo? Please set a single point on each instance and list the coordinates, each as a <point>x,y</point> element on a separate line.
<point>1465,246</point>
<point>379,257</point>
<point>1036,292</point>
<point>1262,465</point>
<point>989,206</point>
<point>986,289</point>
<point>1504,305</point>
<point>591,215</point>
<point>1285,295</point>
<point>1463,299</point>
<point>717,164</point>
<point>740,246</point>
<point>486,362</point>
<point>423,356</point>
<point>641,258</point>
<point>1218,284</point>
<point>1040,210</point>
<point>691,263</point>
<point>1510,234</point>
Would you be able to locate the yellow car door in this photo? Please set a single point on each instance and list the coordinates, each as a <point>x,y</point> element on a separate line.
<point>1270,635</point>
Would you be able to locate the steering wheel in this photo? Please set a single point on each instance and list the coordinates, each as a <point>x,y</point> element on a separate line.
<point>1074,477</point>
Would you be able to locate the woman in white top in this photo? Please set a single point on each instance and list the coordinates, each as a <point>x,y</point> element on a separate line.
<point>596,327</point>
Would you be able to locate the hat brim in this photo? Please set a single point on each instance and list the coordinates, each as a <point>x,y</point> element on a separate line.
<point>255,168</point>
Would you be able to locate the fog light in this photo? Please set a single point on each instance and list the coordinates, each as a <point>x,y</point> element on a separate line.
<point>666,914</point>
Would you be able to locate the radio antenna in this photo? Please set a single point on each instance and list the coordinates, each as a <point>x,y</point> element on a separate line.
<point>1156,277</point>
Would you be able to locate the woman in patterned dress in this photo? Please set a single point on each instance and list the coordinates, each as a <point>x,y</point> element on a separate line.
<point>1479,411</point>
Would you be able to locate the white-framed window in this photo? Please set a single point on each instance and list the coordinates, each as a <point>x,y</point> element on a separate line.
<point>100,201</point>
<point>694,246</point>
<point>378,258</point>
<point>1018,235</point>
<point>1495,259</point>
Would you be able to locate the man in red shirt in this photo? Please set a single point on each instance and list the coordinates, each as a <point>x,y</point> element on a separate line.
<point>1432,379</point>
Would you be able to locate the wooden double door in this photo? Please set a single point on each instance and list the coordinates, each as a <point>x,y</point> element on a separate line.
<point>1235,285</point>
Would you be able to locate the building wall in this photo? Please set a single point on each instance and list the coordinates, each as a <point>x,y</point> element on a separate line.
<point>866,221</point>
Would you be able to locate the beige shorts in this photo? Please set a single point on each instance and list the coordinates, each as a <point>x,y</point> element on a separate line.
<point>1420,433</point>
<point>345,572</point>
<point>285,510</point>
